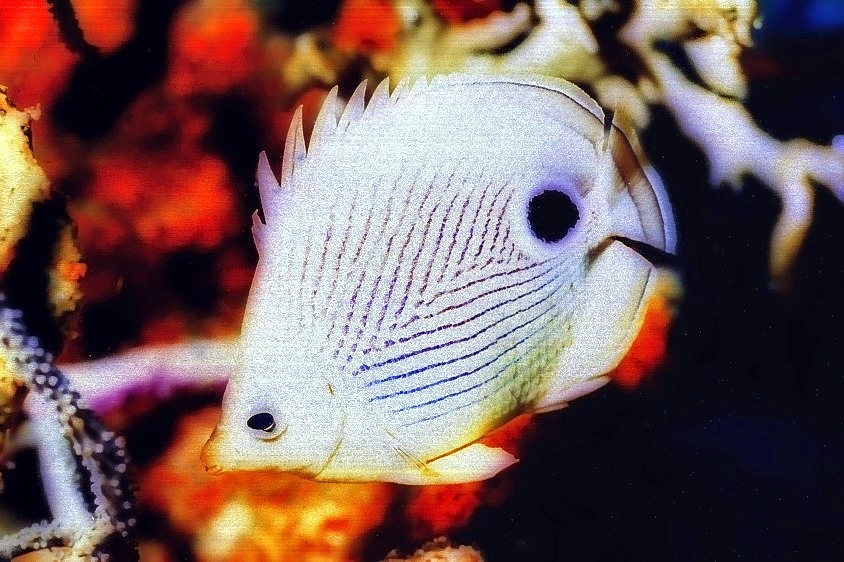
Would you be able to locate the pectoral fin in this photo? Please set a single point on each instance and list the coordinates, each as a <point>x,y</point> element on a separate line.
<point>561,396</point>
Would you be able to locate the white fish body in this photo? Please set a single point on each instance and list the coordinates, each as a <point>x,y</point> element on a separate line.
<point>404,304</point>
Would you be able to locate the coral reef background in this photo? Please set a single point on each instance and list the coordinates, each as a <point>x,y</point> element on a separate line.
<point>150,130</point>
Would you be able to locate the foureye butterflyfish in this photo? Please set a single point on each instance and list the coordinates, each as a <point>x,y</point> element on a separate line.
<point>434,263</point>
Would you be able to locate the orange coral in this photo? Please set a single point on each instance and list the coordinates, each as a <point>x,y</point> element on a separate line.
<point>441,509</point>
<point>257,515</point>
<point>458,11</point>
<point>214,46</point>
<point>152,188</point>
<point>163,202</point>
<point>106,25</point>
<point>435,510</point>
<point>366,26</point>
<point>649,349</point>
<point>33,62</point>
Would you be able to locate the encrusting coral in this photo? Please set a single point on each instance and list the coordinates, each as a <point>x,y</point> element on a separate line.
<point>24,190</point>
<point>439,550</point>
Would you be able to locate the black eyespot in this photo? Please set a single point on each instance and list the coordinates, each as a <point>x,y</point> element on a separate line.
<point>551,214</point>
<point>262,422</point>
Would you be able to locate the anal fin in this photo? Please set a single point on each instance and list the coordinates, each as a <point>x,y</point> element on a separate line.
<point>470,464</point>
<point>559,398</point>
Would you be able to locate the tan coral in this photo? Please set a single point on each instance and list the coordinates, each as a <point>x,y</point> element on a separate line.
<point>22,184</point>
<point>439,550</point>
<point>22,181</point>
<point>561,43</point>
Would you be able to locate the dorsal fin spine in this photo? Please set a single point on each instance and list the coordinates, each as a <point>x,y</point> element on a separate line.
<point>258,232</point>
<point>326,122</point>
<point>268,187</point>
<point>294,149</point>
<point>380,97</point>
<point>354,108</point>
<point>400,90</point>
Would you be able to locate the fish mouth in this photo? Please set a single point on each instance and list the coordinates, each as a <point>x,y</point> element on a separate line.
<point>657,257</point>
<point>640,210</point>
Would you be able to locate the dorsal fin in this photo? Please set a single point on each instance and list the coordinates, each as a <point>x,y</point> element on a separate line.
<point>380,97</point>
<point>258,232</point>
<point>269,192</point>
<point>326,122</point>
<point>354,108</point>
<point>294,149</point>
<point>420,85</point>
<point>400,90</point>
<point>550,83</point>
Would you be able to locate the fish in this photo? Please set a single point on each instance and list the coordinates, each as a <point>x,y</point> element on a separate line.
<point>433,263</point>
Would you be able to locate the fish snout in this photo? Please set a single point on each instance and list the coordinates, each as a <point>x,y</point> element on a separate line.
<point>640,212</point>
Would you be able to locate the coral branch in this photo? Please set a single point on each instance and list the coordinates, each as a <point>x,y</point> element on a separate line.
<point>734,146</point>
<point>160,370</point>
<point>69,31</point>
<point>100,458</point>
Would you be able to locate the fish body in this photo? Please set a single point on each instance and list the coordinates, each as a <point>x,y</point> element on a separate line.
<point>437,262</point>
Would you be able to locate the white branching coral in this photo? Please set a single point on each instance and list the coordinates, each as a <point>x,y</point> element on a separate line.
<point>75,450</point>
<point>735,146</point>
<point>569,40</point>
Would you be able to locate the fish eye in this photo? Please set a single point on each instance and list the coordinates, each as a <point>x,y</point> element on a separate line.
<point>262,421</point>
<point>551,214</point>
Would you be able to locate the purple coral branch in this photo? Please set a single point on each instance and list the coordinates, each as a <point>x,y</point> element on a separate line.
<point>159,371</point>
<point>92,454</point>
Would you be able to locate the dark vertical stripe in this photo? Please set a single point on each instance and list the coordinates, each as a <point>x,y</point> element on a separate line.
<point>454,233</point>
<point>471,236</point>
<point>400,260</point>
<point>427,277</point>
<point>489,216</point>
